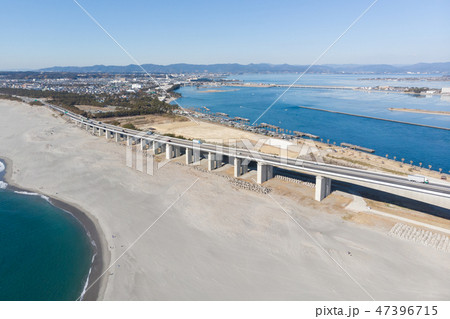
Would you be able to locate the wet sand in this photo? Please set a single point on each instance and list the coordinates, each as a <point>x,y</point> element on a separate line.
<point>91,229</point>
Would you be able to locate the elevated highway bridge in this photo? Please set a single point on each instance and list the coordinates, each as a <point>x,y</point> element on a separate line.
<point>433,193</point>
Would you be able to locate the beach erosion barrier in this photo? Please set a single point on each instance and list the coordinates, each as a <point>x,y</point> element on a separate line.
<point>372,118</point>
<point>236,182</point>
<point>145,162</point>
<point>424,237</point>
<point>295,180</point>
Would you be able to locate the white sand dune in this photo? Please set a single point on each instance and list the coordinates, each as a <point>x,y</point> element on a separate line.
<point>215,242</point>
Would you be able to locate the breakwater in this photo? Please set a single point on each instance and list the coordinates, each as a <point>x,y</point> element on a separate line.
<point>420,144</point>
<point>373,118</point>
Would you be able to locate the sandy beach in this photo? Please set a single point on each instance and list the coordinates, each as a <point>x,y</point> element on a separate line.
<point>92,230</point>
<point>418,111</point>
<point>194,236</point>
<point>334,154</point>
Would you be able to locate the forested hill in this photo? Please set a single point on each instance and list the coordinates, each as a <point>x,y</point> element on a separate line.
<point>443,68</point>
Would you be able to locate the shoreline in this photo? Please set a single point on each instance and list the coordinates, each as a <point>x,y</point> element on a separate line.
<point>419,111</point>
<point>344,155</point>
<point>199,253</point>
<point>89,225</point>
<point>324,87</point>
<point>374,118</point>
<point>204,117</point>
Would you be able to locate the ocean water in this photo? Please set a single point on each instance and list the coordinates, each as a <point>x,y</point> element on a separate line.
<point>356,80</point>
<point>424,145</point>
<point>45,253</point>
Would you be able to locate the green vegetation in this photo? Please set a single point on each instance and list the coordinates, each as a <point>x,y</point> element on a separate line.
<point>176,136</point>
<point>130,126</point>
<point>30,75</point>
<point>63,99</point>
<point>138,106</point>
<point>130,105</point>
<point>36,102</point>
<point>174,87</point>
<point>116,123</point>
<point>10,97</point>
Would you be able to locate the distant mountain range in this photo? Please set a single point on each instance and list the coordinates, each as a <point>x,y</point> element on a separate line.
<point>443,68</point>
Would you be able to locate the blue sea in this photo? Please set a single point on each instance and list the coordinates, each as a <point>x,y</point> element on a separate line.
<point>45,253</point>
<point>428,146</point>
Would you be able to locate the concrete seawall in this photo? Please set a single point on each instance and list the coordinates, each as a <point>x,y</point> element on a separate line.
<point>374,118</point>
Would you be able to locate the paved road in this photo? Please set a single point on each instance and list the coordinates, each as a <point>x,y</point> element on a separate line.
<point>300,165</point>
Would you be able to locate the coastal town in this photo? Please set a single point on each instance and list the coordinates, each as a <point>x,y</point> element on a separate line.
<point>287,159</point>
<point>162,87</point>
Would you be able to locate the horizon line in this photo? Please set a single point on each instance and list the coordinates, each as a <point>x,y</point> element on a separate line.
<point>212,64</point>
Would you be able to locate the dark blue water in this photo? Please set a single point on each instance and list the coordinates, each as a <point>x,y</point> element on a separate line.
<point>420,144</point>
<point>45,253</point>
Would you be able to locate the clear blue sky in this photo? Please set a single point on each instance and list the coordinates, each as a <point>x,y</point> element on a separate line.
<point>46,33</point>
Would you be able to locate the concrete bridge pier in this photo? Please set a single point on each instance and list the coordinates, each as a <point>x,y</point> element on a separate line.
<point>323,187</point>
<point>108,134</point>
<point>140,157</point>
<point>264,173</point>
<point>151,163</point>
<point>244,167</point>
<point>117,137</point>
<point>169,151</point>
<point>129,140</point>
<point>237,167</point>
<point>177,151</point>
<point>155,147</point>
<point>212,161</point>
<point>142,144</point>
<point>189,156</point>
<point>197,154</point>
<point>100,132</point>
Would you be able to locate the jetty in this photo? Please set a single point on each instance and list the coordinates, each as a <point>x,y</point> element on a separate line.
<point>298,86</point>
<point>266,125</point>
<point>359,148</point>
<point>301,134</point>
<point>373,118</point>
<point>241,119</point>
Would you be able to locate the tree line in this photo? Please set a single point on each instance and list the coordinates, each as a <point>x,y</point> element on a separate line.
<point>134,104</point>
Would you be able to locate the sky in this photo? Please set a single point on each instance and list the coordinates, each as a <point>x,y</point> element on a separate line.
<point>36,34</point>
